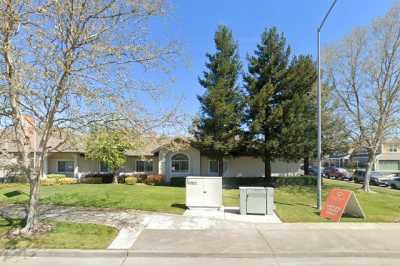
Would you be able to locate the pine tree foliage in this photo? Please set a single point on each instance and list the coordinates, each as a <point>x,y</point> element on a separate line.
<point>298,136</point>
<point>217,129</point>
<point>265,86</point>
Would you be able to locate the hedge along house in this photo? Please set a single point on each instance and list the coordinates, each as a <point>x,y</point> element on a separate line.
<point>157,158</point>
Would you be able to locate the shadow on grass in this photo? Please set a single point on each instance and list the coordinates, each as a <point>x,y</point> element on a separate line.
<point>293,204</point>
<point>8,225</point>
<point>13,193</point>
<point>11,223</point>
<point>179,205</point>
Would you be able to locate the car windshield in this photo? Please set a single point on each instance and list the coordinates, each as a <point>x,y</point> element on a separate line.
<point>378,174</point>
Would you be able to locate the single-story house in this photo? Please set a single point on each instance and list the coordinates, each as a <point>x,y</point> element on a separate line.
<point>156,158</point>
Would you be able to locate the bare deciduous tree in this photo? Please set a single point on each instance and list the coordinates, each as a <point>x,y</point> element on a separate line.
<point>364,69</point>
<point>67,64</point>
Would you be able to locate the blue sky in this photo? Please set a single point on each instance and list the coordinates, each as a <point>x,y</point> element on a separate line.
<point>193,24</point>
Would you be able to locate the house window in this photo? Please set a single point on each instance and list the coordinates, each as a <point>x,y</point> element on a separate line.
<point>65,166</point>
<point>389,165</point>
<point>393,148</point>
<point>213,167</point>
<point>104,167</point>
<point>144,166</point>
<point>180,163</point>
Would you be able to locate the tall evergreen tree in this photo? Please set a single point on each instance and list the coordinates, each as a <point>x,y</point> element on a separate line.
<point>219,124</point>
<point>265,86</point>
<point>299,133</point>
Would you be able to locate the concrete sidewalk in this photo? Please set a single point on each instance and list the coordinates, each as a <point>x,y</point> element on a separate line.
<point>271,240</point>
<point>251,244</point>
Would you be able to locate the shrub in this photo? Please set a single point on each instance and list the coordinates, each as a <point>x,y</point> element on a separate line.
<point>155,180</point>
<point>121,179</point>
<point>178,181</point>
<point>141,178</point>
<point>48,182</point>
<point>67,181</point>
<point>236,182</point>
<point>17,179</point>
<point>103,178</point>
<point>295,181</point>
<point>56,176</point>
<point>130,180</point>
<point>91,180</point>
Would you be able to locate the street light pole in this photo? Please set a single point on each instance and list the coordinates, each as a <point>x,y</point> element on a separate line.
<point>319,140</point>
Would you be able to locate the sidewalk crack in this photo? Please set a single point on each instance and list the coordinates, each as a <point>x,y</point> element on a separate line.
<point>269,246</point>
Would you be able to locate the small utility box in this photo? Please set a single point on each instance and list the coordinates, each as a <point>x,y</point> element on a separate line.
<point>204,192</point>
<point>256,200</point>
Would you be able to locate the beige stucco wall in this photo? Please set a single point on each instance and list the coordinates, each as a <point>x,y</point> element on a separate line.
<point>386,146</point>
<point>86,165</point>
<point>282,168</point>
<point>53,158</point>
<point>194,162</point>
<point>130,165</point>
<point>244,166</point>
<point>247,166</point>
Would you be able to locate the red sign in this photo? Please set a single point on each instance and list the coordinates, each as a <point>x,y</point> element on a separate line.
<point>336,204</point>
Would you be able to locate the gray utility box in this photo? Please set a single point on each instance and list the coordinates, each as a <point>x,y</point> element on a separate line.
<point>256,200</point>
<point>204,192</point>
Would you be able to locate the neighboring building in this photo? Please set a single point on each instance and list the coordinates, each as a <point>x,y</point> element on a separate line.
<point>156,158</point>
<point>387,159</point>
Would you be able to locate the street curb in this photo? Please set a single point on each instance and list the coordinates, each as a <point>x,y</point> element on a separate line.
<point>385,254</point>
<point>132,253</point>
<point>62,253</point>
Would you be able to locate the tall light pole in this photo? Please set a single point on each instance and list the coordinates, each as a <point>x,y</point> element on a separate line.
<point>319,141</point>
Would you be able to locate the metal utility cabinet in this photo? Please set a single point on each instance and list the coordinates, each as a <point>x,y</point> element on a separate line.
<point>204,192</point>
<point>256,200</point>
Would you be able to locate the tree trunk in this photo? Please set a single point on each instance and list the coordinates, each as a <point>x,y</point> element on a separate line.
<point>32,215</point>
<point>115,178</point>
<point>221,167</point>
<point>267,169</point>
<point>306,165</point>
<point>371,161</point>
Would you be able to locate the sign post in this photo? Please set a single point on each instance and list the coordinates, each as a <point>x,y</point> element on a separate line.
<point>340,202</point>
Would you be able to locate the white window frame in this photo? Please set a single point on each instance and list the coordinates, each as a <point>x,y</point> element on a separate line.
<point>393,150</point>
<point>176,172</point>
<point>108,170</point>
<point>209,167</point>
<point>66,160</point>
<point>144,167</point>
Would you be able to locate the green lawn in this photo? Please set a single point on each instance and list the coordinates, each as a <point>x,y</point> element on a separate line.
<point>297,204</point>
<point>141,197</point>
<point>294,204</point>
<point>63,235</point>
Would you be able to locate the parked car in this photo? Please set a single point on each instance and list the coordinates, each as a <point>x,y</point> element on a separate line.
<point>394,183</point>
<point>338,173</point>
<point>381,178</point>
<point>359,176</point>
<point>376,178</point>
<point>313,170</point>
